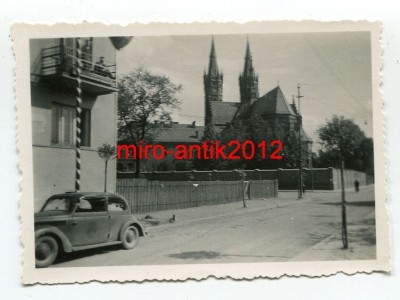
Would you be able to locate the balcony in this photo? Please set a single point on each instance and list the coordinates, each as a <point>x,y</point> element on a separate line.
<point>57,66</point>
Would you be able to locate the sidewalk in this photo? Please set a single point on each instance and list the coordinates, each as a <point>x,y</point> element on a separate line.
<point>361,240</point>
<point>361,233</point>
<point>203,213</point>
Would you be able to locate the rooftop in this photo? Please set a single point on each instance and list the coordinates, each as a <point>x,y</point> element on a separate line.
<point>273,102</point>
<point>176,133</point>
<point>180,133</point>
<point>223,112</point>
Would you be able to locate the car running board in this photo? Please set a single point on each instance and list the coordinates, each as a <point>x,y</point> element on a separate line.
<point>78,248</point>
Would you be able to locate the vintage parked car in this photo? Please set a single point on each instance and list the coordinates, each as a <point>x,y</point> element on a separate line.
<point>78,221</point>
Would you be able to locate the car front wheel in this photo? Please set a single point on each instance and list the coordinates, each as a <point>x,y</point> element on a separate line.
<point>46,251</point>
<point>130,237</point>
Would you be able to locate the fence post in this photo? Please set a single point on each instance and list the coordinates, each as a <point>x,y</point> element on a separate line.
<point>199,197</point>
<point>157,192</point>
<point>249,192</point>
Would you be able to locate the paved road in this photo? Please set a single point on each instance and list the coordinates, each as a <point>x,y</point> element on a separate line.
<point>269,235</point>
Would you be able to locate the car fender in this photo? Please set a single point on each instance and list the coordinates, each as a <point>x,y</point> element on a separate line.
<point>54,231</point>
<point>129,222</point>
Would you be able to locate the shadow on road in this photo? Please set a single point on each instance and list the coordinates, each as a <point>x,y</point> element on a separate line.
<point>198,255</point>
<point>353,203</point>
<point>364,236</point>
<point>66,257</point>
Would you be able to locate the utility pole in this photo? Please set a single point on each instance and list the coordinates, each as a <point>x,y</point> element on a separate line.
<point>299,120</point>
<point>312,170</point>
<point>344,219</point>
<point>243,188</point>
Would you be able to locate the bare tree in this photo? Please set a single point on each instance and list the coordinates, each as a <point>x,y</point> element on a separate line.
<point>145,104</point>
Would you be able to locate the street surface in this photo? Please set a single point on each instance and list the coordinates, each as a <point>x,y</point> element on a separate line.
<point>270,230</point>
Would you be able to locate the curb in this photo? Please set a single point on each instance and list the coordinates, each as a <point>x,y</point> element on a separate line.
<point>245,211</point>
<point>313,247</point>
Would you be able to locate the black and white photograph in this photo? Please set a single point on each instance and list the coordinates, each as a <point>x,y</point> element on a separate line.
<point>220,152</point>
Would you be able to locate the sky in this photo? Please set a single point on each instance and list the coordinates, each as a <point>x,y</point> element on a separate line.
<point>333,70</point>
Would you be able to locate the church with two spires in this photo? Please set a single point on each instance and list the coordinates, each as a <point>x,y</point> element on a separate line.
<point>231,120</point>
<point>271,109</point>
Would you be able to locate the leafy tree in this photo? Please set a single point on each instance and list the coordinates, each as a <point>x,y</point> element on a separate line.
<point>343,140</point>
<point>210,135</point>
<point>106,152</point>
<point>145,104</point>
<point>341,136</point>
<point>290,151</point>
<point>258,130</point>
<point>367,155</point>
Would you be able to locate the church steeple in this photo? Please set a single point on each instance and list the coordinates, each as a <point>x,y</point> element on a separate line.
<point>213,66</point>
<point>248,80</point>
<point>213,81</point>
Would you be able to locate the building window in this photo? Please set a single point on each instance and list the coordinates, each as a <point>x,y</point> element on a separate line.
<point>64,125</point>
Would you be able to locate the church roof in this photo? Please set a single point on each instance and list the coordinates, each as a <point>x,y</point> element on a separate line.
<point>272,103</point>
<point>304,136</point>
<point>176,133</point>
<point>223,112</point>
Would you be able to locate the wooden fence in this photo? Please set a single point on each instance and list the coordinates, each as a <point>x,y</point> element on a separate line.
<point>145,196</point>
<point>317,178</point>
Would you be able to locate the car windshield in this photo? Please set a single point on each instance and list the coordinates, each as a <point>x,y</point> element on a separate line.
<point>58,203</point>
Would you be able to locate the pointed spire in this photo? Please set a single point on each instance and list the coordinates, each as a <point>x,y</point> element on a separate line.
<point>213,66</point>
<point>248,62</point>
<point>248,80</point>
<point>248,53</point>
<point>293,105</point>
<point>213,82</point>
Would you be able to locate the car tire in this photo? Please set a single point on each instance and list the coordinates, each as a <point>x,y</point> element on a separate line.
<point>46,251</point>
<point>130,237</point>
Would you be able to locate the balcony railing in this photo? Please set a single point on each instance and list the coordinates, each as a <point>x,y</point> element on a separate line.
<point>97,76</point>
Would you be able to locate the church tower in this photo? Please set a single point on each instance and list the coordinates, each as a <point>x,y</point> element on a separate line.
<point>213,81</point>
<point>248,80</point>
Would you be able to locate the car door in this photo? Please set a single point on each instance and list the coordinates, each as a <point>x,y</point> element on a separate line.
<point>118,211</point>
<point>90,222</point>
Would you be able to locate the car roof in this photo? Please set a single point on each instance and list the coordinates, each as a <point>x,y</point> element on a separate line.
<point>86,194</point>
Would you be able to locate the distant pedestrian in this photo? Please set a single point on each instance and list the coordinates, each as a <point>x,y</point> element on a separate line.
<point>357,185</point>
<point>304,188</point>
